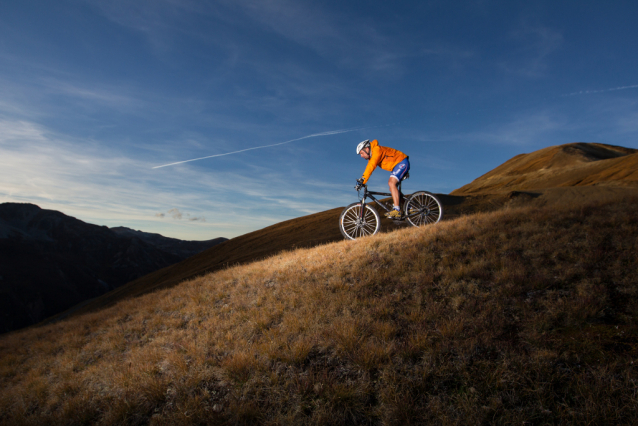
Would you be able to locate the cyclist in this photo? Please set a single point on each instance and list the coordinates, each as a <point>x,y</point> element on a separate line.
<point>389,159</point>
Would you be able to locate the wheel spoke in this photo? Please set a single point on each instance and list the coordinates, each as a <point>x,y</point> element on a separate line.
<point>353,225</point>
<point>350,229</point>
<point>426,209</point>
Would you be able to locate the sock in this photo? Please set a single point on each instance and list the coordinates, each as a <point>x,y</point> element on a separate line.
<point>397,208</point>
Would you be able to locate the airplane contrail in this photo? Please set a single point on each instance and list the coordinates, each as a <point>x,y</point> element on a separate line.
<point>588,92</point>
<point>314,135</point>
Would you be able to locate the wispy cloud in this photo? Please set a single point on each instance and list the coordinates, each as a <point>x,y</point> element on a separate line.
<point>42,95</point>
<point>530,129</point>
<point>613,89</point>
<point>534,45</point>
<point>611,121</point>
<point>102,185</point>
<point>176,214</point>
<point>19,131</point>
<point>348,41</point>
<point>156,19</point>
<point>111,96</point>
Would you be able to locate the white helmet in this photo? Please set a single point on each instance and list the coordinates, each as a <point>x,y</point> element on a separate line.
<point>362,145</point>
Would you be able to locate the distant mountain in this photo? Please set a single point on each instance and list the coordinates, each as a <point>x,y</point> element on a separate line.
<point>50,261</point>
<point>181,248</point>
<point>569,165</point>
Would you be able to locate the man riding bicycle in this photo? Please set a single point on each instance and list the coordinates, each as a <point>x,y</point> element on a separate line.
<point>389,159</point>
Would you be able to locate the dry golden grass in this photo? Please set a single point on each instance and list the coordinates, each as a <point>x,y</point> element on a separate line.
<point>520,316</point>
<point>568,165</point>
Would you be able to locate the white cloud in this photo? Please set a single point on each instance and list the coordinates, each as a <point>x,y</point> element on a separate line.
<point>100,185</point>
<point>109,96</point>
<point>20,131</point>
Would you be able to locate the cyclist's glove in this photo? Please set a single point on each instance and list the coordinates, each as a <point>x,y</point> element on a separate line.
<point>359,184</point>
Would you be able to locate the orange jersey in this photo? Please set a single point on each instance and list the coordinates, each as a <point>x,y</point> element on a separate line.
<point>382,156</point>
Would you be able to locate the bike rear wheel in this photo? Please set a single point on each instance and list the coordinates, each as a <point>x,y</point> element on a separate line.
<point>353,226</point>
<point>423,208</point>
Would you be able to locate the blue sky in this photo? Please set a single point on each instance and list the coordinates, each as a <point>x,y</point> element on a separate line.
<point>95,93</point>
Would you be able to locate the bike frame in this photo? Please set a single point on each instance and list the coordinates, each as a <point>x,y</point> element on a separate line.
<point>371,194</point>
<point>359,220</point>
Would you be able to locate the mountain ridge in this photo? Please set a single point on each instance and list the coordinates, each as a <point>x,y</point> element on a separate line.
<point>182,248</point>
<point>574,164</point>
<point>49,262</point>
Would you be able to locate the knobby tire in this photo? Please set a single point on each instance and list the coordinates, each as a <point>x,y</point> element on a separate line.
<point>423,208</point>
<point>351,225</point>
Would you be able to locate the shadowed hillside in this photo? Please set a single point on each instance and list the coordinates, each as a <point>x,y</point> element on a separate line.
<point>49,261</point>
<point>181,248</point>
<point>520,316</point>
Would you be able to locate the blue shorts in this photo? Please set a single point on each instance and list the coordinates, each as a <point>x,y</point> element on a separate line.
<point>400,170</point>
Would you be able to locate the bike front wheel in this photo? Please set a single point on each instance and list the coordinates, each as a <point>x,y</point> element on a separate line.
<point>353,225</point>
<point>423,208</point>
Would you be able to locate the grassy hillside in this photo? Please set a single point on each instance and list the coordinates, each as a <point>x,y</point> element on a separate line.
<point>571,173</point>
<point>569,165</point>
<point>520,316</point>
<point>303,232</point>
<point>307,231</point>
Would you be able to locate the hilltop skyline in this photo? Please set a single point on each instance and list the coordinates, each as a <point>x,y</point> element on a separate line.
<point>94,95</point>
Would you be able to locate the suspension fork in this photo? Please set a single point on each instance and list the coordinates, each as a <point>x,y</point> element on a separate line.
<point>363,203</point>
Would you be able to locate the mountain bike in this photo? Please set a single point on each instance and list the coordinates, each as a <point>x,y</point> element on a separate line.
<point>361,219</point>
